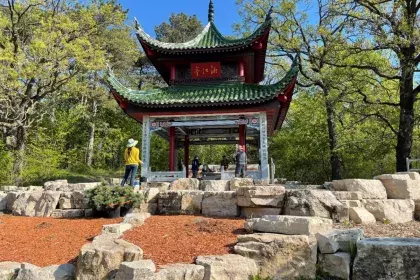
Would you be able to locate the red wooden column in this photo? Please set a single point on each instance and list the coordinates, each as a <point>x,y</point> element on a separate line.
<point>172,148</point>
<point>242,135</point>
<point>186,153</point>
<point>241,71</point>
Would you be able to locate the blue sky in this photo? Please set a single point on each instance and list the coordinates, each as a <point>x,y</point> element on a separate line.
<point>153,12</point>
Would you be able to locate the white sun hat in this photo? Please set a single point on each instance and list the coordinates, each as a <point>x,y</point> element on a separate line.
<point>131,143</point>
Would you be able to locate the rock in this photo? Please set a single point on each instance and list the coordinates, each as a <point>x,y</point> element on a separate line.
<point>344,195</point>
<point>343,240</point>
<point>136,219</point>
<point>162,186</point>
<point>227,267</point>
<point>417,209</point>
<point>412,175</point>
<point>392,210</point>
<point>72,200</point>
<point>142,269</point>
<point>88,213</point>
<point>336,265</point>
<point>25,204</point>
<point>65,201</point>
<point>400,186</point>
<point>191,202</point>
<point>257,196</point>
<point>151,208</point>
<point>220,204</point>
<point>293,225</point>
<point>261,182</point>
<point>35,188</point>
<point>55,185</point>
<point>86,186</point>
<point>11,198</point>
<point>317,203</point>
<point>169,202</point>
<point>9,270</point>
<point>114,181</point>
<point>251,212</point>
<point>370,189</point>
<point>214,185</point>
<point>47,203</point>
<point>387,258</point>
<point>180,272</point>
<point>151,195</point>
<point>102,258</point>
<point>68,213</point>
<point>280,256</point>
<point>116,228</point>
<point>361,216</point>
<point>8,188</point>
<point>185,184</point>
<point>53,272</point>
<point>352,203</point>
<point>236,183</point>
<point>3,201</point>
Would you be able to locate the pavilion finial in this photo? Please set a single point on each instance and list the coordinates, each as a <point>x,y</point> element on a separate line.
<point>211,11</point>
<point>268,17</point>
<point>136,23</point>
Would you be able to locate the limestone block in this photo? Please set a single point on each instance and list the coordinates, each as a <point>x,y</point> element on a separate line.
<point>55,185</point>
<point>169,202</point>
<point>35,188</point>
<point>261,182</point>
<point>236,183</point>
<point>252,212</point>
<point>257,196</point>
<point>361,216</point>
<point>88,213</point>
<point>9,270</point>
<point>65,201</point>
<point>317,203</point>
<point>227,267</point>
<point>53,272</point>
<point>151,195</point>
<point>387,259</point>
<point>47,203</point>
<point>136,219</point>
<point>392,210</point>
<point>336,265</point>
<point>417,209</point>
<point>3,201</point>
<point>25,204</point>
<point>400,186</point>
<point>8,188</point>
<point>294,225</point>
<point>180,271</point>
<point>142,269</point>
<point>344,195</point>
<point>214,185</point>
<point>220,204</point>
<point>185,184</point>
<point>162,186</point>
<point>10,200</point>
<point>280,256</point>
<point>339,240</point>
<point>191,202</point>
<point>102,258</point>
<point>151,208</point>
<point>371,189</point>
<point>116,228</point>
<point>68,213</point>
<point>352,203</point>
<point>412,175</point>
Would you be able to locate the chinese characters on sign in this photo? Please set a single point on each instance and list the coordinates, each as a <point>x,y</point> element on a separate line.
<point>206,70</point>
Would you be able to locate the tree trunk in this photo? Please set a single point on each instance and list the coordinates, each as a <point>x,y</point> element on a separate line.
<point>406,121</point>
<point>89,157</point>
<point>335,160</point>
<point>21,138</point>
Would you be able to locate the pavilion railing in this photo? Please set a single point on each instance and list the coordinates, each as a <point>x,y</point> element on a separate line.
<point>409,161</point>
<point>165,176</point>
<point>227,175</point>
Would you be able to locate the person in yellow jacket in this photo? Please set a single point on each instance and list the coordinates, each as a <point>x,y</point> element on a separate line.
<point>132,161</point>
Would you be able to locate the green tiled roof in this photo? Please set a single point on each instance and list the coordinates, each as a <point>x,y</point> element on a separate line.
<point>182,95</point>
<point>209,38</point>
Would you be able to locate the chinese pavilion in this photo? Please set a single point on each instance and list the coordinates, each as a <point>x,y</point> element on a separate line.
<point>213,95</point>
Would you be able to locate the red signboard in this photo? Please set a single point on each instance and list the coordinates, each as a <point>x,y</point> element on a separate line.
<point>206,70</point>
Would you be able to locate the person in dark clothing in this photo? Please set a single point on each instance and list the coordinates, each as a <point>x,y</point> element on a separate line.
<point>224,163</point>
<point>194,166</point>
<point>241,161</point>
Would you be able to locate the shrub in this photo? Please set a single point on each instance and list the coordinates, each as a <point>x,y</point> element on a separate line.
<point>106,197</point>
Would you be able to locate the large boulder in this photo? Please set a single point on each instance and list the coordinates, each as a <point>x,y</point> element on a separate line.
<point>220,204</point>
<point>10,200</point>
<point>387,259</point>
<point>336,265</point>
<point>56,185</point>
<point>142,269</point>
<point>180,271</point>
<point>53,272</point>
<point>136,219</point>
<point>339,240</point>
<point>261,196</point>
<point>9,270</point>
<point>101,259</point>
<point>191,202</point>
<point>151,195</point>
<point>361,216</point>
<point>68,213</point>
<point>280,256</point>
<point>3,201</point>
<point>252,212</point>
<point>417,209</point>
<point>72,200</point>
<point>237,183</point>
<point>47,203</point>
<point>317,203</point>
<point>227,267</point>
<point>370,189</point>
<point>344,195</point>
<point>214,185</point>
<point>391,210</point>
<point>185,184</point>
<point>293,225</point>
<point>162,186</point>
<point>25,204</point>
<point>169,202</point>
<point>400,186</point>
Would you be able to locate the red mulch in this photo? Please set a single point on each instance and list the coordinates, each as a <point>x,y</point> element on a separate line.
<point>46,241</point>
<point>179,239</point>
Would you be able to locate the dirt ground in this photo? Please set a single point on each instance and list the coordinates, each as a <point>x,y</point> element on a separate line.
<point>180,239</point>
<point>46,241</point>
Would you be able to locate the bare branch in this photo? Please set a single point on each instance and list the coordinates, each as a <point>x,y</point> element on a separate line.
<point>366,67</point>
<point>365,99</point>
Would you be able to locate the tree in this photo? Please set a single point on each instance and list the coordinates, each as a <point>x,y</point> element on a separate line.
<point>180,28</point>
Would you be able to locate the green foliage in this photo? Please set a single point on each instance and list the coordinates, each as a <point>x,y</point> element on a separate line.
<point>106,197</point>
<point>180,28</point>
<point>258,277</point>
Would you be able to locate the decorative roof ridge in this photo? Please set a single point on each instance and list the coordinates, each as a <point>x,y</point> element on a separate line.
<point>211,11</point>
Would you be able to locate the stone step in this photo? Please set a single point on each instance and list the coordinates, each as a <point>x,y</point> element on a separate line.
<point>345,195</point>
<point>352,203</point>
<point>68,213</point>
